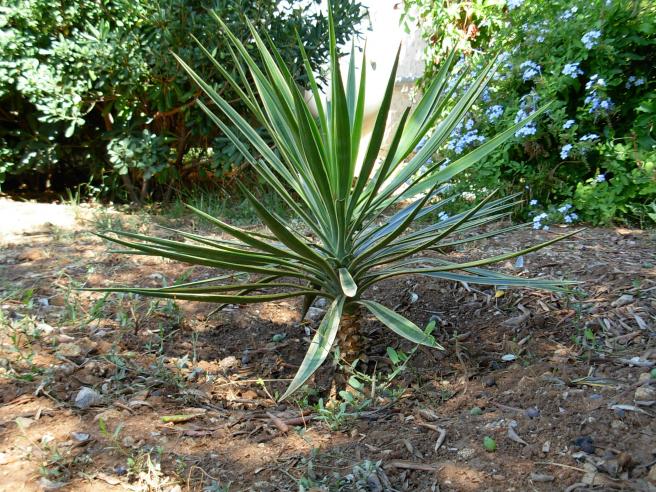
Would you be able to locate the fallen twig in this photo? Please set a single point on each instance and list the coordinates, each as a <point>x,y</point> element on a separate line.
<point>282,426</point>
<point>411,465</point>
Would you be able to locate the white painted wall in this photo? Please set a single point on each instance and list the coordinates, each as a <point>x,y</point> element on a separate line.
<point>381,44</point>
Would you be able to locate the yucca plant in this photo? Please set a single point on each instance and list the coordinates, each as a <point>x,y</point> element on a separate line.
<point>357,212</point>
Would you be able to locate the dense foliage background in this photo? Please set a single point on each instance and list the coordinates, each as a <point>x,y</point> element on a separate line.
<point>89,91</point>
<point>593,156</point>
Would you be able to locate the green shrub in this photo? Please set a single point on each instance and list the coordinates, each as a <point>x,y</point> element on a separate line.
<point>89,87</point>
<point>596,147</point>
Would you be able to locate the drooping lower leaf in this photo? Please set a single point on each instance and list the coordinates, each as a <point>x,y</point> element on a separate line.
<point>400,325</point>
<point>319,347</point>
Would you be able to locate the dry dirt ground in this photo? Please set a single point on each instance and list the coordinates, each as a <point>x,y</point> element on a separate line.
<point>110,393</point>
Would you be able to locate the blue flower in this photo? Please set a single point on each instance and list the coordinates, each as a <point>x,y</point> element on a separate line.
<point>590,39</point>
<point>634,81</point>
<point>442,216</point>
<point>537,222</point>
<point>421,143</point>
<point>572,69</point>
<point>527,130</point>
<point>568,124</point>
<point>564,208</point>
<point>459,143</point>
<point>568,219</point>
<point>595,80</point>
<point>494,112</point>
<point>469,124</point>
<point>513,4</point>
<point>533,202</point>
<point>564,152</point>
<point>601,178</point>
<point>531,69</point>
<point>589,136</point>
<point>569,13</point>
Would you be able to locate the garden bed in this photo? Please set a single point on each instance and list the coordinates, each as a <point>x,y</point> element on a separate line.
<point>568,377</point>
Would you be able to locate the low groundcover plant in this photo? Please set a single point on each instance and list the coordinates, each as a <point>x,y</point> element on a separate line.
<point>359,224</point>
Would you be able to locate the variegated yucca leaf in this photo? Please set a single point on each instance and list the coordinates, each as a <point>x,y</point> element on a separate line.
<point>359,214</point>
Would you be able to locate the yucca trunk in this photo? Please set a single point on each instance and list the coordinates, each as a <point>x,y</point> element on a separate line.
<point>350,339</point>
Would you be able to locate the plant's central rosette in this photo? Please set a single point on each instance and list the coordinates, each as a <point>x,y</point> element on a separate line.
<point>360,227</point>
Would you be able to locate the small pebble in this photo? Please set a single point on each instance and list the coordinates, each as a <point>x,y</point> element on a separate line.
<point>596,396</point>
<point>585,444</point>
<point>532,412</point>
<point>87,397</point>
<point>489,381</point>
<point>645,393</point>
<point>80,436</point>
<point>475,411</point>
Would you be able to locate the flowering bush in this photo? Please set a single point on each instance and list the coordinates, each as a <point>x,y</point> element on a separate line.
<point>89,92</point>
<point>595,149</point>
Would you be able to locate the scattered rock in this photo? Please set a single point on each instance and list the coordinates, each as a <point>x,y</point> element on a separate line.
<point>489,381</point>
<point>532,412</point>
<point>466,453</point>
<point>546,447</point>
<point>24,422</point>
<point>644,394</point>
<point>618,425</point>
<point>46,484</point>
<point>314,314</point>
<point>539,477</point>
<point>87,397</point>
<point>622,301</point>
<point>69,350</point>
<point>45,328</point>
<point>644,377</point>
<point>228,363</point>
<point>80,436</point>
<point>585,444</point>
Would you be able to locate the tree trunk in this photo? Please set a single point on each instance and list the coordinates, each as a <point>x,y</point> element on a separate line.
<point>349,337</point>
<point>351,344</point>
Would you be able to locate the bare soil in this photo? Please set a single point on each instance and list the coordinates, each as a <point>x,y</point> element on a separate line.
<point>560,383</point>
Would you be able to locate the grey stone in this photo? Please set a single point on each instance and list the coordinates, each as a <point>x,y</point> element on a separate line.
<point>87,397</point>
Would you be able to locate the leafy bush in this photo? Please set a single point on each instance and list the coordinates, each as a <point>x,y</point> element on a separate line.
<point>596,147</point>
<point>89,88</point>
<point>340,243</point>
